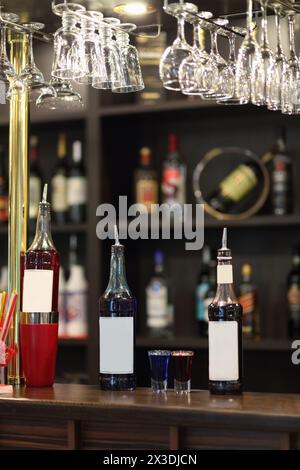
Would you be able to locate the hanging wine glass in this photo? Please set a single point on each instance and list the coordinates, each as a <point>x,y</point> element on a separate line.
<point>216,76</point>
<point>247,56</point>
<point>276,72</point>
<point>180,49</point>
<point>31,74</point>
<point>191,68</point>
<point>8,78</point>
<point>290,100</point>
<point>263,66</point>
<point>65,96</point>
<point>231,66</point>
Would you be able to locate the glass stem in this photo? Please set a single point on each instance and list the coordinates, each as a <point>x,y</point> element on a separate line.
<point>278,33</point>
<point>292,36</point>
<point>196,33</point>
<point>30,51</point>
<point>249,16</point>
<point>214,45</point>
<point>232,56</point>
<point>3,52</point>
<point>264,24</point>
<point>180,29</point>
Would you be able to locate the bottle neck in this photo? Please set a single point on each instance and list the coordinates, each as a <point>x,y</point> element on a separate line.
<point>117,279</point>
<point>43,237</point>
<point>225,293</point>
<point>278,30</point>
<point>249,15</point>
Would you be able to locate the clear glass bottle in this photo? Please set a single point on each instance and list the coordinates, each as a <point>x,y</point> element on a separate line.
<point>117,316</point>
<point>77,186</point>
<point>225,330</point>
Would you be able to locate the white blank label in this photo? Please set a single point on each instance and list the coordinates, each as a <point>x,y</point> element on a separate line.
<point>224,274</point>
<point>223,350</point>
<point>116,345</point>
<point>37,290</point>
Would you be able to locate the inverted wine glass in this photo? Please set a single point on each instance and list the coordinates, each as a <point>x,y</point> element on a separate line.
<point>131,79</point>
<point>247,56</point>
<point>263,65</point>
<point>216,76</point>
<point>31,74</point>
<point>65,96</point>
<point>290,99</point>
<point>180,49</point>
<point>231,66</point>
<point>191,68</point>
<point>110,76</point>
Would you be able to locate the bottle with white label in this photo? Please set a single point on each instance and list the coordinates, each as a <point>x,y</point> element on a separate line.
<point>159,308</point>
<point>39,303</point>
<point>117,312</point>
<point>225,330</point>
<point>76,296</point>
<point>77,186</point>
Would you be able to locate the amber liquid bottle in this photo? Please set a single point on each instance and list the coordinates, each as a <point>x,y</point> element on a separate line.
<point>225,315</point>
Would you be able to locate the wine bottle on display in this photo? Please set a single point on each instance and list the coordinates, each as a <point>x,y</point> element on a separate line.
<point>173,175</point>
<point>117,314</point>
<point>234,188</point>
<point>202,288</point>
<point>76,295</point>
<point>159,307</point>
<point>146,182</point>
<point>281,178</point>
<point>225,330</point>
<point>3,190</point>
<point>293,296</point>
<point>59,183</point>
<point>248,300</point>
<point>77,186</point>
<point>35,181</point>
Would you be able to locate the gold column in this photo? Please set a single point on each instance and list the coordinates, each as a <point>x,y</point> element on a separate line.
<point>18,191</point>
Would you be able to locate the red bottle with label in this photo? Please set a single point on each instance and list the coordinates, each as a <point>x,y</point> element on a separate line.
<point>39,317</point>
<point>173,175</point>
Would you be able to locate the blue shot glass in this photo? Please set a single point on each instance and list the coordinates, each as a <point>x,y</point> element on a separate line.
<point>159,363</point>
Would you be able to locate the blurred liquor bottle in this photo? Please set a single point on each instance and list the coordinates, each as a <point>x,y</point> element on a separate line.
<point>146,182</point>
<point>281,178</point>
<point>59,183</point>
<point>77,186</point>
<point>205,290</point>
<point>293,295</point>
<point>159,305</point>
<point>248,300</point>
<point>173,175</point>
<point>35,181</point>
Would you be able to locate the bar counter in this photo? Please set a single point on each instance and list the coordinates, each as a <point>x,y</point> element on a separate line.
<point>70,417</point>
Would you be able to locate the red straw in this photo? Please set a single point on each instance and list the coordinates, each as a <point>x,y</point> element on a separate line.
<point>3,307</point>
<point>8,316</point>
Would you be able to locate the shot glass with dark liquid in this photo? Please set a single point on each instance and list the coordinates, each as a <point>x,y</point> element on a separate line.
<point>159,363</point>
<point>182,370</point>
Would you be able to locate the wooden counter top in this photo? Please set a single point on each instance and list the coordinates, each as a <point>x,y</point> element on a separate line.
<point>92,419</point>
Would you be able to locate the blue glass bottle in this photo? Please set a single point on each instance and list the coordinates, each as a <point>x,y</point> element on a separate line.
<point>117,313</point>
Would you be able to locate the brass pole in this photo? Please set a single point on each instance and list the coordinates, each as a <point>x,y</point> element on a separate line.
<point>18,191</point>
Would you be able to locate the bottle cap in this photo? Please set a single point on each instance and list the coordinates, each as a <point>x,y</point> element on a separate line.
<point>145,154</point>
<point>44,204</point>
<point>224,253</point>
